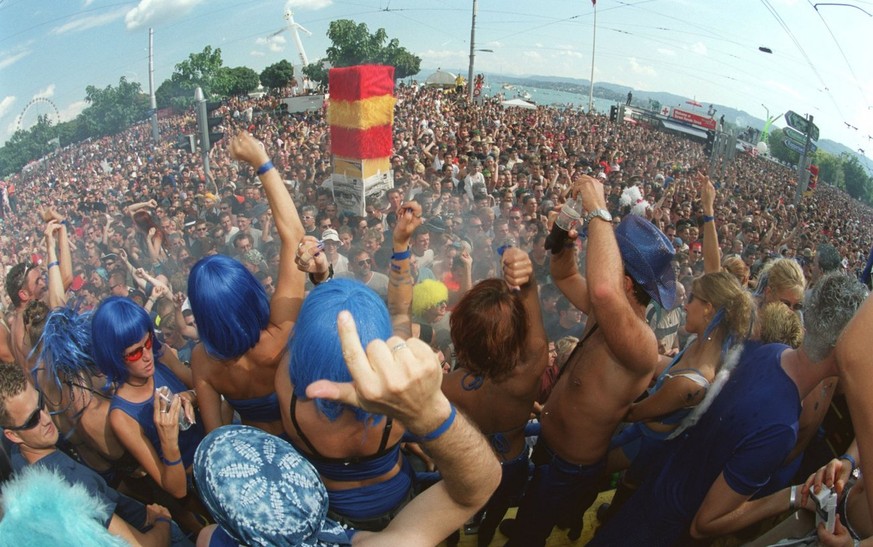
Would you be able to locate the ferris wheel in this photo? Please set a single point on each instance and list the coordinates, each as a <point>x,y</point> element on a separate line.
<point>35,109</point>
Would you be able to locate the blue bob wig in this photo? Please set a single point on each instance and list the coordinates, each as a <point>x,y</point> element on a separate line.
<point>229,304</point>
<point>117,324</point>
<point>314,346</point>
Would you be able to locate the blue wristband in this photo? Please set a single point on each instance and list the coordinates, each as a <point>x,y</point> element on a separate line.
<point>403,255</point>
<point>163,519</point>
<point>707,218</point>
<point>438,432</point>
<point>169,463</point>
<point>52,263</point>
<point>264,168</point>
<point>851,460</point>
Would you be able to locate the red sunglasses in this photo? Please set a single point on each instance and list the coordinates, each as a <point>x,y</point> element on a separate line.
<point>136,353</point>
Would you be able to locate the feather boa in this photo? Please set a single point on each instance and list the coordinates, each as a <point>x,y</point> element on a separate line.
<point>633,198</point>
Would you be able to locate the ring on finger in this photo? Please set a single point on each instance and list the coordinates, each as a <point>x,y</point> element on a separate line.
<point>399,347</point>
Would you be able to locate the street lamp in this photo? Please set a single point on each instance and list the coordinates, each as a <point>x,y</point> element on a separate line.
<point>472,51</point>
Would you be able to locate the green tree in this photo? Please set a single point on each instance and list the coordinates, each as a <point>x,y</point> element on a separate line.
<point>353,44</point>
<point>198,70</point>
<point>858,182</point>
<point>778,149</point>
<point>830,169</point>
<point>235,81</point>
<point>277,75</point>
<point>317,72</point>
<point>113,109</point>
<point>25,146</point>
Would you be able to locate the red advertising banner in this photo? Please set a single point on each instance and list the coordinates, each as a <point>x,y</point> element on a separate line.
<point>694,119</point>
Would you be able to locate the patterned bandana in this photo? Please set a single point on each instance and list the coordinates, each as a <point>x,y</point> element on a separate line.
<point>262,492</point>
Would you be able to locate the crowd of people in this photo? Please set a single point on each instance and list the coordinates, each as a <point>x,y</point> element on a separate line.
<point>230,358</point>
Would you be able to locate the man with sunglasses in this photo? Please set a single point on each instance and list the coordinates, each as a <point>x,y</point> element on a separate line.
<point>361,268</point>
<point>28,426</point>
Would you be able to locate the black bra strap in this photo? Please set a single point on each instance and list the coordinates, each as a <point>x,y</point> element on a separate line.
<point>299,431</point>
<point>389,423</point>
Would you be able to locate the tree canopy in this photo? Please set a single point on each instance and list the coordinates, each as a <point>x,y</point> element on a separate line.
<point>235,81</point>
<point>113,109</point>
<point>353,44</point>
<point>277,75</point>
<point>202,70</point>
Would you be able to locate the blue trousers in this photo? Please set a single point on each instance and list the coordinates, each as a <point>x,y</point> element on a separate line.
<point>558,486</point>
<point>512,483</point>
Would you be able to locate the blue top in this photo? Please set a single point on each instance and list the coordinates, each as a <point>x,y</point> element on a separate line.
<point>257,409</point>
<point>143,414</point>
<point>746,434</point>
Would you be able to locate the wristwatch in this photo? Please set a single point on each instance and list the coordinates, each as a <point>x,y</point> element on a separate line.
<point>602,214</point>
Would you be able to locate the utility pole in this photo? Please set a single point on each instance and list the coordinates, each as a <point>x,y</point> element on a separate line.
<point>204,129</point>
<point>472,51</point>
<point>153,103</point>
<point>593,44</point>
<point>803,166</point>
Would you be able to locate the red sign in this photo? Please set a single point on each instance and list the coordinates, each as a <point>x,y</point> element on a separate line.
<point>694,119</point>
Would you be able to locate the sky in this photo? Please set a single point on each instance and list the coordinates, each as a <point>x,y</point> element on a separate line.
<point>50,50</point>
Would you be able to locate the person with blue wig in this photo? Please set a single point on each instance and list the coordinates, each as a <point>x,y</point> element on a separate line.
<point>243,333</point>
<point>128,353</point>
<point>356,453</point>
<point>77,393</point>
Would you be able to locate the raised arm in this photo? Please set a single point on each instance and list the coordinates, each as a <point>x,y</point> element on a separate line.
<point>608,290</point>
<point>286,301</point>
<point>399,277</point>
<point>711,255</point>
<point>56,294</point>
<point>567,278</point>
<point>518,272</point>
<point>402,379</point>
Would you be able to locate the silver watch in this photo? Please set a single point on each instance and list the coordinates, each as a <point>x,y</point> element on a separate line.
<point>602,214</point>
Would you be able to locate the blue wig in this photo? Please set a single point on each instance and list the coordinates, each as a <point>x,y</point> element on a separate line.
<point>229,304</point>
<point>65,346</point>
<point>117,324</point>
<point>314,345</point>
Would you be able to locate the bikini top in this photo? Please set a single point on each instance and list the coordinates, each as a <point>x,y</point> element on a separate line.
<point>353,468</point>
<point>257,409</point>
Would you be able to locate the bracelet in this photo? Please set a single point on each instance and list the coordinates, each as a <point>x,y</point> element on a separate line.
<point>266,167</point>
<point>169,463</point>
<point>163,519</point>
<point>438,432</point>
<point>402,255</point>
<point>851,460</point>
<point>329,275</point>
<point>52,263</point>
<point>707,218</point>
<point>792,498</point>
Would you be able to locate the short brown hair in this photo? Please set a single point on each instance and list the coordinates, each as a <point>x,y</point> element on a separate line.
<point>12,382</point>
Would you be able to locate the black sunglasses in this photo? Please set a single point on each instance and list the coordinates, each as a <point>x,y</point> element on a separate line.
<point>32,420</point>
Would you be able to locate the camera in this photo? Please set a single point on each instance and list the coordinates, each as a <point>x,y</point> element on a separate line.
<point>825,507</point>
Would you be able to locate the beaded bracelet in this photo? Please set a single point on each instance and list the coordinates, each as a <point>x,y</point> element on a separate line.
<point>438,432</point>
<point>402,255</point>
<point>264,168</point>
<point>168,463</point>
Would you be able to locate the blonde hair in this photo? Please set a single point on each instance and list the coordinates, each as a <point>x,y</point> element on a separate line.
<point>784,274</point>
<point>723,291</point>
<point>564,347</point>
<point>779,324</point>
<point>735,265</point>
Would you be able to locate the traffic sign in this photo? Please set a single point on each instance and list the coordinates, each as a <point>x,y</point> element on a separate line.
<point>795,135</point>
<point>803,125</point>
<point>793,145</point>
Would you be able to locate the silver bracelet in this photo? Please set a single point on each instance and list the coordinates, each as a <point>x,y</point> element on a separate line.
<point>792,499</point>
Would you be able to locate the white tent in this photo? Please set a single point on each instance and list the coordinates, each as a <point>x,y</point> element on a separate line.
<point>519,103</point>
<point>441,78</point>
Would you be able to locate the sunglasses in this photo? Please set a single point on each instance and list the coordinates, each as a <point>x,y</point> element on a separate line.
<point>136,353</point>
<point>691,298</point>
<point>32,420</point>
<point>365,262</point>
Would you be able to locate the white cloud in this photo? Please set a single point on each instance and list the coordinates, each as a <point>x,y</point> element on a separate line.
<point>637,68</point>
<point>89,22</point>
<point>87,3</point>
<point>256,53</point>
<point>569,53</point>
<point>72,110</point>
<point>698,48</point>
<point>666,52</point>
<point>46,93</point>
<point>12,58</point>
<point>6,104</point>
<point>276,44</point>
<point>150,12</point>
<point>307,4</point>
<point>532,56</point>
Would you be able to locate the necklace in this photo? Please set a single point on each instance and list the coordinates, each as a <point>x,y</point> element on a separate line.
<point>131,384</point>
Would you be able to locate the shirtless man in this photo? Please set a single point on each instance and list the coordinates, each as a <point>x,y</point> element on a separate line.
<point>610,368</point>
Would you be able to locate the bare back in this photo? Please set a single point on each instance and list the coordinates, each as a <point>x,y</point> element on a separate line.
<point>590,399</point>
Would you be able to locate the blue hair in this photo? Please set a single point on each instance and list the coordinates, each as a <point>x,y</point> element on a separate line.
<point>65,346</point>
<point>117,324</point>
<point>314,346</point>
<point>229,304</point>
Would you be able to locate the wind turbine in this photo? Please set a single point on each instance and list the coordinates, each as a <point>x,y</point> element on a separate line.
<point>294,28</point>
